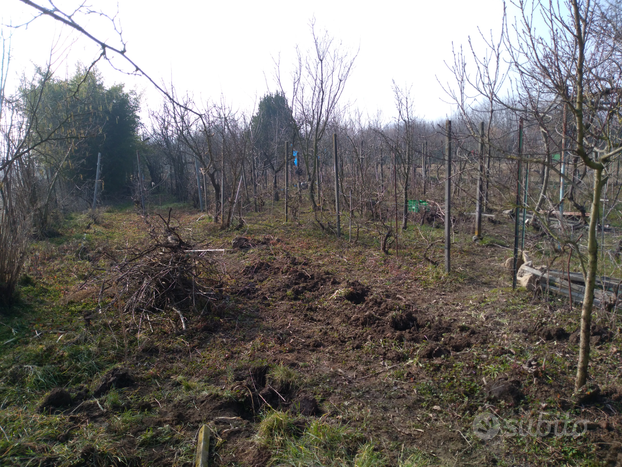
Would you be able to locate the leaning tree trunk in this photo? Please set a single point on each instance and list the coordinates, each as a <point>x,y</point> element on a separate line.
<point>545,183</point>
<point>590,281</point>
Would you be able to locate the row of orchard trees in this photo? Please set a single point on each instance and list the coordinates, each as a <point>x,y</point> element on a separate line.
<point>554,72</point>
<point>555,69</point>
<point>229,163</point>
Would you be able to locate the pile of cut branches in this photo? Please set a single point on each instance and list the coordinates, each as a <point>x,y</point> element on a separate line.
<point>167,275</point>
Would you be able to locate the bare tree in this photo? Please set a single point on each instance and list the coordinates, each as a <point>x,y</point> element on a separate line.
<point>18,174</point>
<point>317,86</point>
<point>405,148</point>
<point>570,61</point>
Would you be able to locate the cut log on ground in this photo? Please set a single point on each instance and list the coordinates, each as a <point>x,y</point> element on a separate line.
<point>557,282</point>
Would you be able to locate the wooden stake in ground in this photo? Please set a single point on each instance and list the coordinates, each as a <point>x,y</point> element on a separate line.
<point>562,158</point>
<point>350,221</point>
<point>222,189</point>
<point>448,198</point>
<point>397,246</point>
<point>140,183</point>
<point>202,456</point>
<point>424,171</point>
<point>203,176</point>
<point>518,201</point>
<point>198,174</point>
<point>525,197</point>
<point>480,185</point>
<point>486,189</point>
<point>97,175</point>
<point>337,185</point>
<point>286,167</point>
<point>254,181</point>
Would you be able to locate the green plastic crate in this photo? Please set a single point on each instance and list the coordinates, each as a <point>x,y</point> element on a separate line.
<point>416,205</point>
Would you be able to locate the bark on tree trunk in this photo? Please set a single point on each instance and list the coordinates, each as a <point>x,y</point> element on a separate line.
<point>590,281</point>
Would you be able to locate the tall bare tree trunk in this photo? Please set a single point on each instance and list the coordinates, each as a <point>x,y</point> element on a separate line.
<point>590,281</point>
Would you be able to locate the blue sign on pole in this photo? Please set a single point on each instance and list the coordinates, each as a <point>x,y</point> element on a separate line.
<point>296,158</point>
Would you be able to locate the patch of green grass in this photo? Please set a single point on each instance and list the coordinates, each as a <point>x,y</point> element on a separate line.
<point>275,429</point>
<point>185,383</point>
<point>418,459</point>
<point>283,378</point>
<point>28,438</point>
<point>492,241</point>
<point>368,457</point>
<point>44,378</point>
<point>326,444</point>
<point>126,420</point>
<point>113,399</point>
<point>161,435</point>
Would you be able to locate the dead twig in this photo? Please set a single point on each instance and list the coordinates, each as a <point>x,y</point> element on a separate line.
<point>425,252</point>
<point>379,372</point>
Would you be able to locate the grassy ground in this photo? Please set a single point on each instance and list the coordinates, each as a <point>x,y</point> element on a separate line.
<point>305,350</point>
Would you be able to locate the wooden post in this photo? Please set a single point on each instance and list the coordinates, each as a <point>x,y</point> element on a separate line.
<point>254,181</point>
<point>488,158</point>
<point>204,177</point>
<point>397,246</point>
<point>319,181</point>
<point>286,167</point>
<point>361,203</point>
<point>97,175</point>
<point>525,195</point>
<point>222,190</point>
<point>448,198</point>
<point>562,157</point>
<point>140,183</point>
<point>424,171</point>
<point>406,184</point>
<point>350,223</point>
<point>518,201</point>
<point>381,170</point>
<point>480,187</point>
<point>337,184</point>
<point>248,198</point>
<point>202,454</point>
<point>196,168</point>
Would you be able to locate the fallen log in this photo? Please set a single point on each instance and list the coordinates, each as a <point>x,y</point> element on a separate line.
<point>556,283</point>
<point>605,282</point>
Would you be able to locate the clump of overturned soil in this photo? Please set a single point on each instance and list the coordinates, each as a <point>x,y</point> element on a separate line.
<point>505,390</point>
<point>403,321</point>
<point>115,378</point>
<point>356,292</point>
<point>58,398</point>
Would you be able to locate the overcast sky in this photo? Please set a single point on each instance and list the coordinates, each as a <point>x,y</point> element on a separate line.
<point>226,50</point>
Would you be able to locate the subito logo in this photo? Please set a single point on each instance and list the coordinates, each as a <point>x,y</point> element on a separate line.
<point>486,426</point>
